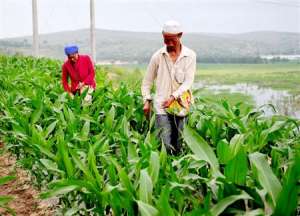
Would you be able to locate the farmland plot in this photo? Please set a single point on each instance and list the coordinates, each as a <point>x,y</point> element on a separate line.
<point>105,158</point>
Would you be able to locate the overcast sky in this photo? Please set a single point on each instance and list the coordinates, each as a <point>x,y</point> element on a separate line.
<point>214,16</point>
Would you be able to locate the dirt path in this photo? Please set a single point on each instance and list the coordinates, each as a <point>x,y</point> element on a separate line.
<point>26,202</point>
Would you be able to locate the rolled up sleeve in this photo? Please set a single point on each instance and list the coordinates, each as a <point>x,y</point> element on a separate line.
<point>189,77</point>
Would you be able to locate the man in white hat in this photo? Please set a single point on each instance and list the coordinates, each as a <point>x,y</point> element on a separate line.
<point>173,67</point>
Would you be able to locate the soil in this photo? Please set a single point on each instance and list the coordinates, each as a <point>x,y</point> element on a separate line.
<point>26,201</point>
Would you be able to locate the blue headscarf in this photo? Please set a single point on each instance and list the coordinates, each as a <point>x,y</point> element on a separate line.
<point>71,49</point>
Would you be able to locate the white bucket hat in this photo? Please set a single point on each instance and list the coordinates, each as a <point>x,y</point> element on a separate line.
<point>172,27</point>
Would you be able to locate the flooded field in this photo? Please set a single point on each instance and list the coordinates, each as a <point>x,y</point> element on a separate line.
<point>283,102</point>
<point>258,84</point>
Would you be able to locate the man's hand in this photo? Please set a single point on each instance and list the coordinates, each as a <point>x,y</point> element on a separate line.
<point>168,102</point>
<point>147,109</point>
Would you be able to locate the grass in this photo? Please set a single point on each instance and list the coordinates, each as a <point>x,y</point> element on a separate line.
<point>283,76</point>
<point>129,75</point>
<point>231,98</point>
<point>279,76</point>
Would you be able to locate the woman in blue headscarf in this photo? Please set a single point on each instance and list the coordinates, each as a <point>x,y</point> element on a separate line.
<point>80,70</point>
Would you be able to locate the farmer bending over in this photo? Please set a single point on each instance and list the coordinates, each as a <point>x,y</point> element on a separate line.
<point>80,70</point>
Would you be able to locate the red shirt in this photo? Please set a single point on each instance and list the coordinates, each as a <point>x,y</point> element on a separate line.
<point>81,71</point>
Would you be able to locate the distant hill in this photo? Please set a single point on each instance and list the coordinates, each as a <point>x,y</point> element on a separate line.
<point>139,46</point>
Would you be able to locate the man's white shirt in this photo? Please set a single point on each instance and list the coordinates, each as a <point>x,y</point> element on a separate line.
<point>170,78</point>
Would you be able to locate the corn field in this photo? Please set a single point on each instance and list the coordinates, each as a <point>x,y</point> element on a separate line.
<point>105,158</point>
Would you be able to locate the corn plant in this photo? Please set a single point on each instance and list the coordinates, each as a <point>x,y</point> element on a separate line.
<point>105,158</point>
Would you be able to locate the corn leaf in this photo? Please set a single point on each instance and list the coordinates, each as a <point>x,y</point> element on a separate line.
<point>63,190</point>
<point>163,202</point>
<point>265,175</point>
<point>37,114</point>
<point>146,209</point>
<point>145,187</point>
<point>6,179</point>
<point>200,148</point>
<point>5,200</point>
<point>224,203</point>
<point>109,120</point>
<point>50,165</point>
<point>236,169</point>
<point>223,151</point>
<point>50,129</point>
<point>287,200</point>
<point>154,167</point>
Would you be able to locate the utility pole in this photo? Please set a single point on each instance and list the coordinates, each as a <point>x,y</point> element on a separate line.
<point>35,35</point>
<point>92,29</point>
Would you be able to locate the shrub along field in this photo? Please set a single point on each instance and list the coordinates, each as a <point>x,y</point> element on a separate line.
<point>105,158</point>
